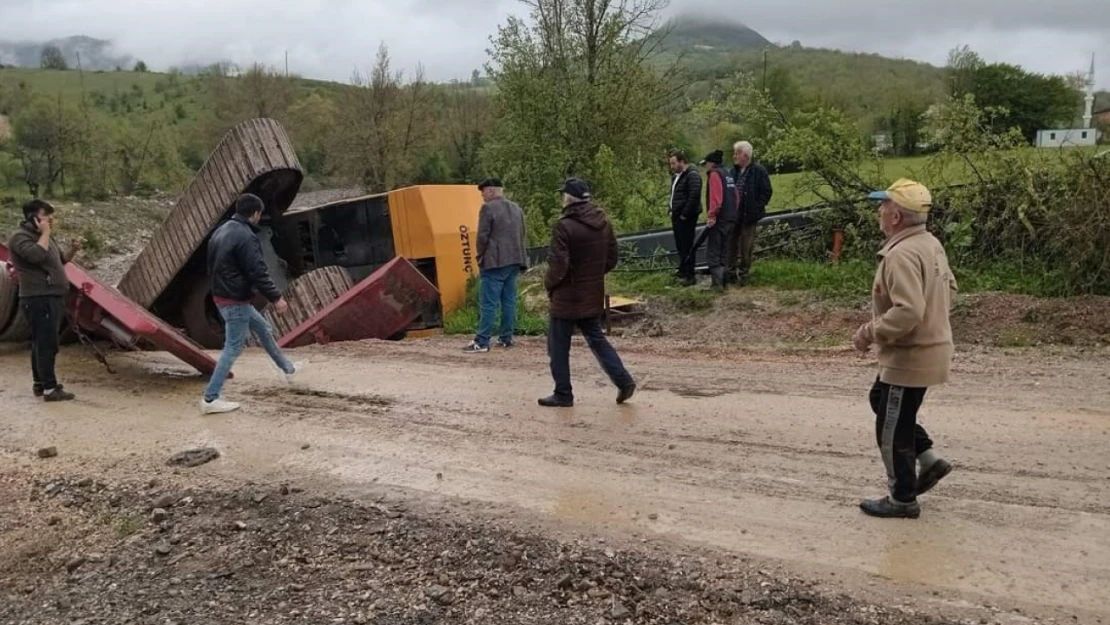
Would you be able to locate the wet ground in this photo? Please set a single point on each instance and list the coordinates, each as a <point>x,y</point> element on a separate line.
<point>759,454</point>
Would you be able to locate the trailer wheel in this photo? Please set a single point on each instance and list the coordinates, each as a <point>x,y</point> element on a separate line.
<point>18,331</point>
<point>9,298</point>
<point>202,318</point>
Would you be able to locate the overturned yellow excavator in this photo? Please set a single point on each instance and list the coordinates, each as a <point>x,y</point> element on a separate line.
<point>433,227</point>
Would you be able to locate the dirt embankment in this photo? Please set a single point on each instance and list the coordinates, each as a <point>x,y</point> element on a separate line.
<point>785,319</point>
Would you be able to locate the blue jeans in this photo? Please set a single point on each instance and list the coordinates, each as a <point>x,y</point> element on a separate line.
<point>559,334</point>
<point>498,287</point>
<point>238,320</point>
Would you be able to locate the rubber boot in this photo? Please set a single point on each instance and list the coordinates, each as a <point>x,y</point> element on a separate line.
<point>717,274</point>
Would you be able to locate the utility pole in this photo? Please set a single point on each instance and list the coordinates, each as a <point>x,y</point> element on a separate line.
<point>287,64</point>
<point>764,70</point>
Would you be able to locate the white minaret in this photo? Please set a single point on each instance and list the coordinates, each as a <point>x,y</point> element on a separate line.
<point>1090,99</point>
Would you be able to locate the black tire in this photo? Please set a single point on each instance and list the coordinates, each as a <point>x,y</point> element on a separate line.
<point>201,318</point>
<point>9,299</point>
<point>18,331</point>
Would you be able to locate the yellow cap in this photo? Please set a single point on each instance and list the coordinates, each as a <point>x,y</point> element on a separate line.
<point>910,195</point>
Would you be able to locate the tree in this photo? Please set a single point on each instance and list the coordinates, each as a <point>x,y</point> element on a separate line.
<point>1033,101</point>
<point>140,67</point>
<point>905,123</point>
<point>46,137</point>
<point>311,121</point>
<point>468,118</point>
<point>575,82</point>
<point>962,65</point>
<point>384,128</point>
<point>52,58</point>
<point>261,91</point>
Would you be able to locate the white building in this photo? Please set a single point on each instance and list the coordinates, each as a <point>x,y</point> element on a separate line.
<point>1069,137</point>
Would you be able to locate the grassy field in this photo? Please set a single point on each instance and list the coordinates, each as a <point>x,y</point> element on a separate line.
<point>156,90</point>
<point>790,191</point>
<point>138,88</point>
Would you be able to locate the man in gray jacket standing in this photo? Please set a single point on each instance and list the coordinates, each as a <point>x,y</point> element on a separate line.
<point>501,256</point>
<point>40,266</point>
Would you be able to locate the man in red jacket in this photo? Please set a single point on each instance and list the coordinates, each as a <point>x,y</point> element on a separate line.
<point>583,249</point>
<point>722,216</point>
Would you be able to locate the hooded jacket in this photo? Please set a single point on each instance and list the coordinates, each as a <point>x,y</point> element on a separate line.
<point>583,249</point>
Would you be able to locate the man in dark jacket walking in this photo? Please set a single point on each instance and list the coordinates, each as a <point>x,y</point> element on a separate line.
<point>583,250</point>
<point>237,269</point>
<point>685,209</point>
<point>753,191</point>
<point>502,254</point>
<point>721,200</point>
<point>40,268</point>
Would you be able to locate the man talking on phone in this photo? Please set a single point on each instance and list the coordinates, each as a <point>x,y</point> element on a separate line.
<point>40,269</point>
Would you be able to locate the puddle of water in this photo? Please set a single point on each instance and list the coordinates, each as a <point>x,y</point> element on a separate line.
<point>925,554</point>
<point>583,504</point>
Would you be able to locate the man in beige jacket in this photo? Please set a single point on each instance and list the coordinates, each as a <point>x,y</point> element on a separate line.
<point>911,299</point>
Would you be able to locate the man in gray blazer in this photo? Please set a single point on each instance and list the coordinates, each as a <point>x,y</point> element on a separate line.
<point>501,256</point>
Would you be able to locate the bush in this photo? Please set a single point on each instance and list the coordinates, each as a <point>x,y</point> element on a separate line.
<point>1039,218</point>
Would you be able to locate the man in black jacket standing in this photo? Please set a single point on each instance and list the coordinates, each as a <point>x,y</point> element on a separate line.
<point>237,269</point>
<point>40,268</point>
<point>685,209</point>
<point>753,190</point>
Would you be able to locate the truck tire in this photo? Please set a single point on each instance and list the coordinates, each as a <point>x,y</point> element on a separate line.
<point>201,318</point>
<point>18,331</point>
<point>9,298</point>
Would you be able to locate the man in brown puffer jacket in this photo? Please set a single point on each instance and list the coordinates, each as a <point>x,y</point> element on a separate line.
<point>583,249</point>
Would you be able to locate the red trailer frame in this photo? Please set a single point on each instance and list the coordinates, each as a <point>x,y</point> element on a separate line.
<point>98,309</point>
<point>380,306</point>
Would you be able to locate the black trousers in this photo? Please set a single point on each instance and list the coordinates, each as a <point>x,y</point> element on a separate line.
<point>899,436</point>
<point>559,334</point>
<point>717,245</point>
<point>44,314</point>
<point>684,236</point>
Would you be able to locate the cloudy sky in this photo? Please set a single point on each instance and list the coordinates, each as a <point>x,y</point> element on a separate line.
<point>329,38</point>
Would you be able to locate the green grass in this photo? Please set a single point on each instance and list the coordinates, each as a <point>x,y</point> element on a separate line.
<point>659,285</point>
<point>530,320</point>
<point>797,282</point>
<point>150,89</point>
<point>848,280</point>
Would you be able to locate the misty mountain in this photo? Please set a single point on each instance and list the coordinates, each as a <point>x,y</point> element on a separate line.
<point>96,54</point>
<point>699,33</point>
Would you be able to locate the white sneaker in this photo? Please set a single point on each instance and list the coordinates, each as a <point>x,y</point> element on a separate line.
<point>217,406</point>
<point>474,348</point>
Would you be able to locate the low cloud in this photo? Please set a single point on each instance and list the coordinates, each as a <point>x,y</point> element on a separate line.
<point>330,38</point>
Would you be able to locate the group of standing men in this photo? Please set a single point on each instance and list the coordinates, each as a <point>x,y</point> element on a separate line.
<point>736,199</point>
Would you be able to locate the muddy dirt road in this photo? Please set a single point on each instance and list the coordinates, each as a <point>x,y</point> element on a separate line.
<point>762,454</point>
